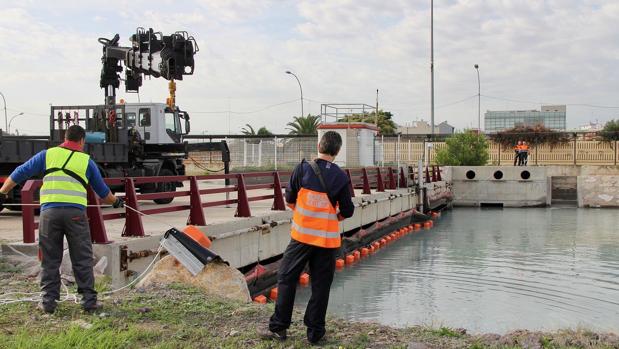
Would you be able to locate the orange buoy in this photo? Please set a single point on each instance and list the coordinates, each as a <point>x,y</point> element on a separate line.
<point>427,224</point>
<point>357,255</point>
<point>383,242</point>
<point>365,251</point>
<point>387,239</point>
<point>394,236</point>
<point>339,263</point>
<point>372,248</point>
<point>260,299</point>
<point>434,214</point>
<point>197,235</point>
<point>273,294</point>
<point>304,279</point>
<point>376,245</point>
<point>417,226</point>
<point>350,259</point>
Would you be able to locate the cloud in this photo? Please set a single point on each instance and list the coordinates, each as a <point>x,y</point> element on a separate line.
<point>558,51</point>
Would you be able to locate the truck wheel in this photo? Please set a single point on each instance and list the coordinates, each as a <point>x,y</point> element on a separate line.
<point>162,187</point>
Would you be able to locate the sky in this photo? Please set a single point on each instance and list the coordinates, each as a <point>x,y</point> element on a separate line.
<point>530,52</point>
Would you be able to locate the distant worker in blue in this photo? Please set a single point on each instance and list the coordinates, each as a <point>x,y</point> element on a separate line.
<point>319,194</point>
<point>67,171</point>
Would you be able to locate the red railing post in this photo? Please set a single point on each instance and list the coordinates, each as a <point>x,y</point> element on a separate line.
<point>403,183</point>
<point>438,173</point>
<point>98,235</point>
<point>27,213</point>
<point>278,196</point>
<point>366,182</point>
<point>427,175</point>
<point>351,187</point>
<point>392,184</point>
<point>133,220</point>
<point>196,213</point>
<point>433,173</point>
<point>411,173</point>
<point>242,208</point>
<point>380,186</point>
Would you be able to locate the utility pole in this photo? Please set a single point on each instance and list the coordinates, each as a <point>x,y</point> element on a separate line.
<point>432,68</point>
<point>376,113</point>
<point>478,100</point>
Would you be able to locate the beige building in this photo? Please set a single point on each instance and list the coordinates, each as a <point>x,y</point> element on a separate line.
<point>422,127</point>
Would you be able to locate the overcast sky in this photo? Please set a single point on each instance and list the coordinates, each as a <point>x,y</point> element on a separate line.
<point>529,51</point>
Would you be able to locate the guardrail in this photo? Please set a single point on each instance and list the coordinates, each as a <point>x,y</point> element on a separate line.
<point>366,179</point>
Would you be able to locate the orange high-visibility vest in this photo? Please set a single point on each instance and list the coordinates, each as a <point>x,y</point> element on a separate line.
<point>314,221</point>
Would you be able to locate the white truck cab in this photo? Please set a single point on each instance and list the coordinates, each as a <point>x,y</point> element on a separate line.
<point>156,122</point>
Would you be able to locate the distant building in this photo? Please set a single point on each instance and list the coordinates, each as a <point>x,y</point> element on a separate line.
<point>591,126</point>
<point>551,116</point>
<point>422,127</point>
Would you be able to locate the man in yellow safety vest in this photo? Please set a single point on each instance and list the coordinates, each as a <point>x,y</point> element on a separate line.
<point>316,191</point>
<point>67,172</point>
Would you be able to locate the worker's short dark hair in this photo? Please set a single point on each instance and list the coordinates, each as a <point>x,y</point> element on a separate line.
<point>330,143</point>
<point>75,133</point>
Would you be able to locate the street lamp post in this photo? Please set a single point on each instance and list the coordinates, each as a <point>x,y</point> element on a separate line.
<point>10,121</point>
<point>5,118</point>
<point>478,100</point>
<point>300,88</point>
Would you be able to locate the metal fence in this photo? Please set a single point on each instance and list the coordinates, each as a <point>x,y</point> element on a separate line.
<point>283,152</point>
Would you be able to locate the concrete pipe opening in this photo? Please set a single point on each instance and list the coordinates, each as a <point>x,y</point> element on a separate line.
<point>498,174</point>
<point>470,174</point>
<point>525,174</point>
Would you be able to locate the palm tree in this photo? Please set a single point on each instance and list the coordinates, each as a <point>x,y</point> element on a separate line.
<point>304,125</point>
<point>248,130</point>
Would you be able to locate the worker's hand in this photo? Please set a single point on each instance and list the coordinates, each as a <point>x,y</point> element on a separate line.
<point>118,203</point>
<point>340,217</point>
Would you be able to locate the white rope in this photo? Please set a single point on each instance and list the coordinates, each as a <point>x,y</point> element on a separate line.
<point>68,296</point>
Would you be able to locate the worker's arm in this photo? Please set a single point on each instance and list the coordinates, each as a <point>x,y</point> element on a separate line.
<point>294,185</point>
<point>34,166</point>
<point>344,200</point>
<point>98,185</point>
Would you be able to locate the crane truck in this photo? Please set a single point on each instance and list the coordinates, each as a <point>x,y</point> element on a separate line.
<point>126,139</point>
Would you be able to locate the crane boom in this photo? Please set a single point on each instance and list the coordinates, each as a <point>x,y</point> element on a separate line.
<point>151,54</point>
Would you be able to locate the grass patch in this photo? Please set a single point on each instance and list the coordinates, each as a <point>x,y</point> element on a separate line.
<point>181,317</point>
<point>6,267</point>
<point>447,332</point>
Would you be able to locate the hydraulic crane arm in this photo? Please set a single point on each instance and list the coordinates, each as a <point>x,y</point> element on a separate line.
<point>152,54</point>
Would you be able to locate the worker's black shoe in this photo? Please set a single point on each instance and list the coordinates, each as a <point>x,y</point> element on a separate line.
<point>92,307</point>
<point>266,333</point>
<point>46,307</point>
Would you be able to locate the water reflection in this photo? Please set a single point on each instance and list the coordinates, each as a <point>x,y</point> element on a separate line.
<point>491,270</point>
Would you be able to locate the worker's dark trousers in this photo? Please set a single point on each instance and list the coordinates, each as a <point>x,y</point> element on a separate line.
<point>321,269</point>
<point>72,223</point>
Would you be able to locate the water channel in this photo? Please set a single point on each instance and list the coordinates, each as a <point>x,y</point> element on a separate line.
<point>491,270</point>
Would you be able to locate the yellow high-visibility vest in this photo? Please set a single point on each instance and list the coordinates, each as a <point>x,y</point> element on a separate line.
<point>65,176</point>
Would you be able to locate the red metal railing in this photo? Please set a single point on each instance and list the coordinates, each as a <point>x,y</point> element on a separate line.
<point>360,178</point>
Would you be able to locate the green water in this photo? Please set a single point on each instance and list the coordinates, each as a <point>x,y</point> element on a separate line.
<point>491,270</point>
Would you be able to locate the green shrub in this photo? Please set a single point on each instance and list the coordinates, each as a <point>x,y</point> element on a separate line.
<point>611,131</point>
<point>464,149</point>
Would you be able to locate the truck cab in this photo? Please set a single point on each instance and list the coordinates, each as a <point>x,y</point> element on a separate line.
<point>156,123</point>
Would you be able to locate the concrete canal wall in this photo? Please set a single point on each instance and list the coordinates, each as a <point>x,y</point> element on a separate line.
<point>531,186</point>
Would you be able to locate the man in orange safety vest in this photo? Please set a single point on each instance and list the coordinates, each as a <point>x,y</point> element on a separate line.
<point>319,195</point>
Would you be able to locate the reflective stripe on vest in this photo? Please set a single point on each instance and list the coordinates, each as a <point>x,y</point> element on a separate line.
<point>314,221</point>
<point>59,186</point>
